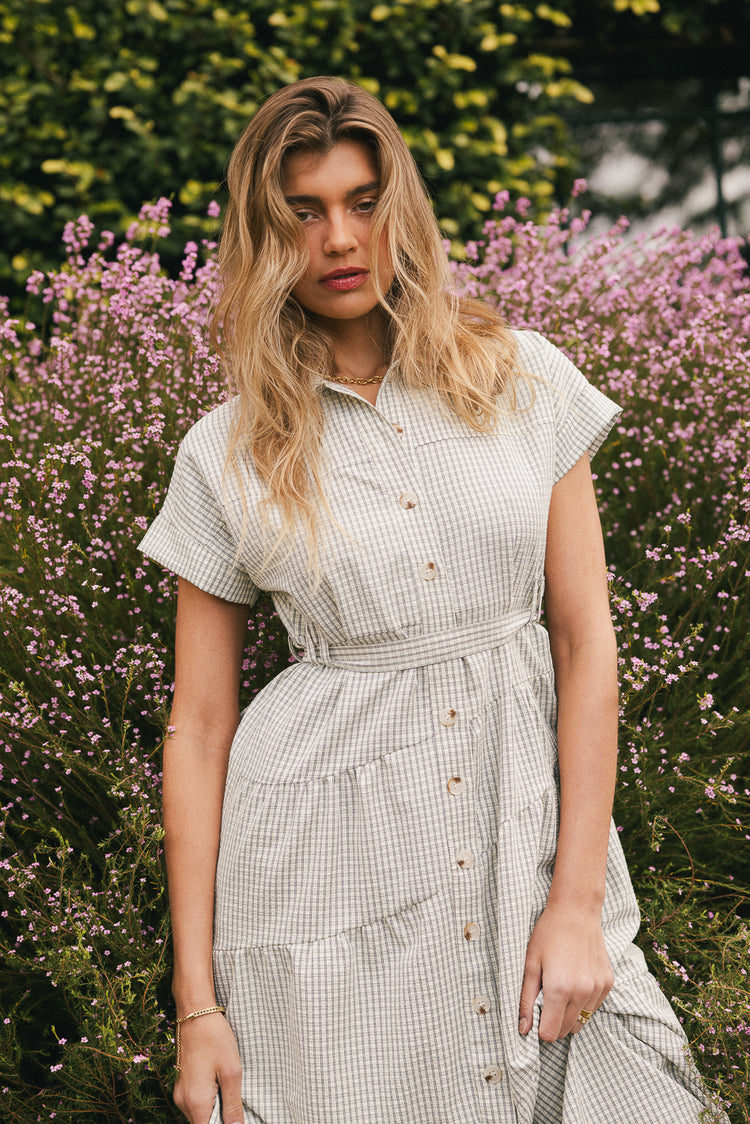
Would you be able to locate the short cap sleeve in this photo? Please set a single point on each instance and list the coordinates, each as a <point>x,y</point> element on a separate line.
<point>583,415</point>
<point>190,535</point>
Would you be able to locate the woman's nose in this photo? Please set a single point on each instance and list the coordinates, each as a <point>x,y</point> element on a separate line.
<point>340,235</point>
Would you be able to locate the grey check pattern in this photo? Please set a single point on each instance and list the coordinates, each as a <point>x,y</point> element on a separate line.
<point>390,814</point>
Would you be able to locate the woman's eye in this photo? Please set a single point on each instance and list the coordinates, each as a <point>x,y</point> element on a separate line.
<point>367,205</point>
<point>304,216</point>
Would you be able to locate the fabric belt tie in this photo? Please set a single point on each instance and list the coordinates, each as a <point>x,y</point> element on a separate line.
<point>417,651</point>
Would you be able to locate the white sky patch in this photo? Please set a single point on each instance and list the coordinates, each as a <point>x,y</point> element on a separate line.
<point>622,174</point>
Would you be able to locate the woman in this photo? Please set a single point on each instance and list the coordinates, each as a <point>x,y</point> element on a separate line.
<point>402,883</point>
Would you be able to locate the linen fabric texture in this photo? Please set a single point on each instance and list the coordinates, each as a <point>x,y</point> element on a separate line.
<point>390,816</point>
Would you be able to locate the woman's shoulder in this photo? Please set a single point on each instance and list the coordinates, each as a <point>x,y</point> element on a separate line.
<point>205,452</point>
<point>528,396</point>
<point>539,357</point>
<point>562,395</point>
<point>202,452</point>
<point>209,435</point>
<point>207,440</point>
<point>553,377</point>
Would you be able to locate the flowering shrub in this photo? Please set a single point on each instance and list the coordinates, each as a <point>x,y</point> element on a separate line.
<point>97,391</point>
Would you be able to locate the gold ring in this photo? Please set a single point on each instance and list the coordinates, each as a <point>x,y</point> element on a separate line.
<point>584,1016</point>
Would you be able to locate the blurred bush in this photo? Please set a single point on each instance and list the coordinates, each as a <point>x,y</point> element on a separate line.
<point>105,103</point>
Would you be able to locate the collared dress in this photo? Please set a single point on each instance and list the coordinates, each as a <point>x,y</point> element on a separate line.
<point>390,815</point>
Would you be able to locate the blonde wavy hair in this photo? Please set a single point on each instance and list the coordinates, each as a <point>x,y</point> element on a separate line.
<point>274,350</point>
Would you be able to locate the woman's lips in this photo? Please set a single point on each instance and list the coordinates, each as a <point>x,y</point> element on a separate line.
<point>343,280</point>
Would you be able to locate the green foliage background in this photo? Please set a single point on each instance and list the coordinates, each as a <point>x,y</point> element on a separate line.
<point>105,103</point>
<point>111,103</point>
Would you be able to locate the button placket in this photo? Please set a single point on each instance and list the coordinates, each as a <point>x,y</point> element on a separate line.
<point>403,469</point>
<point>458,737</point>
<point>481,1007</point>
<point>459,734</point>
<point>455,696</point>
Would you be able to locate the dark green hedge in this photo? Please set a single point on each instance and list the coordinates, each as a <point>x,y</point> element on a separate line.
<point>107,103</point>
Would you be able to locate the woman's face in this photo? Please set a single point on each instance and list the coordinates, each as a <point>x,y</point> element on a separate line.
<point>334,197</point>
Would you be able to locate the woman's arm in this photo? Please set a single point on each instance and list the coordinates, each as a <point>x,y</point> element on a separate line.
<point>567,956</point>
<point>208,653</point>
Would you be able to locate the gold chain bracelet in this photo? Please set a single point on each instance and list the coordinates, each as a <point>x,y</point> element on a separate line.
<point>186,1018</point>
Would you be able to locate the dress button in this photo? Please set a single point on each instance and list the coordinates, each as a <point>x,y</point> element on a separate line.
<point>481,1004</point>
<point>447,717</point>
<point>471,930</point>
<point>407,500</point>
<point>429,570</point>
<point>397,427</point>
<point>492,1074</point>
<point>465,859</point>
<point>456,786</point>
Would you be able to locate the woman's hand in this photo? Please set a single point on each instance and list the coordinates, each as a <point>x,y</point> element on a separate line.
<point>209,1061</point>
<point>566,957</point>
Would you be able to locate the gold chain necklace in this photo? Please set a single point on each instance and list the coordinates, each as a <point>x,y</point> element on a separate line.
<point>357,382</point>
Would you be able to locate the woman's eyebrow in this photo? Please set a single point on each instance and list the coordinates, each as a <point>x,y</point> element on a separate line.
<point>374,185</point>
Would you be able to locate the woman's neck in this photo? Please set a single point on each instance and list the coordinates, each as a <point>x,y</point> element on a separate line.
<point>360,353</point>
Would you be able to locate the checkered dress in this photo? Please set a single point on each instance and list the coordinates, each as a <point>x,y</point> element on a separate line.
<point>390,815</point>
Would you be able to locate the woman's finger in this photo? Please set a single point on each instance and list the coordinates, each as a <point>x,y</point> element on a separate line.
<point>532,983</point>
<point>195,1104</point>
<point>230,1083</point>
<point>556,1014</point>
<point>586,1009</point>
<point>595,1000</point>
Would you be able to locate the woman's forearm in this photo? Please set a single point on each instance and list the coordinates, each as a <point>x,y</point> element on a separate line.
<point>586,679</point>
<point>195,765</point>
<point>567,958</point>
